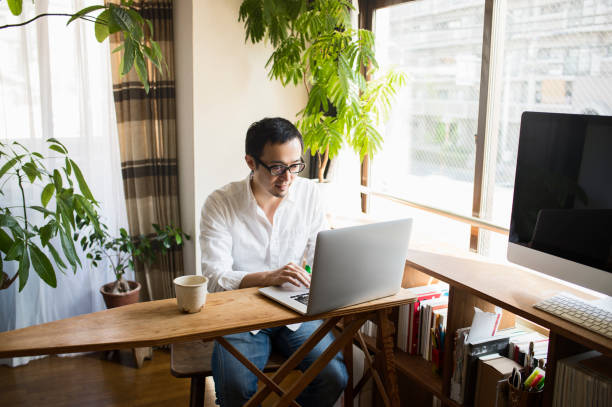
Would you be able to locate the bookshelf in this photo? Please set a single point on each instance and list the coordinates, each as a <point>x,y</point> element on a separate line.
<point>475,281</point>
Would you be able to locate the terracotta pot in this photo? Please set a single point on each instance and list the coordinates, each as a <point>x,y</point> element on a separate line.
<point>117,300</point>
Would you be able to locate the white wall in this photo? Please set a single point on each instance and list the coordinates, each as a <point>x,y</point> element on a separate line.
<point>228,89</point>
<point>183,67</point>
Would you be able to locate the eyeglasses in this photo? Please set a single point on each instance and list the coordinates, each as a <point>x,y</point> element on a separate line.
<point>280,169</point>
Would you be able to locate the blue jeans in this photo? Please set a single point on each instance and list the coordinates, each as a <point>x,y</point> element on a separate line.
<point>235,384</point>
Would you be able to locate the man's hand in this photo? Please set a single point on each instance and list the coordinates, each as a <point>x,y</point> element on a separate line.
<point>289,273</point>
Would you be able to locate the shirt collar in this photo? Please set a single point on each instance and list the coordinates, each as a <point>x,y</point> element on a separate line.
<point>290,197</point>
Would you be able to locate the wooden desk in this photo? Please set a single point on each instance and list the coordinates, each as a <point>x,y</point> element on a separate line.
<point>160,322</point>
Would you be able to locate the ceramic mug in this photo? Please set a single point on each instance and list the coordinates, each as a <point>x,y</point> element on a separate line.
<point>190,293</point>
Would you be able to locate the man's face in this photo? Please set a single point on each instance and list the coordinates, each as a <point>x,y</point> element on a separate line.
<point>274,154</point>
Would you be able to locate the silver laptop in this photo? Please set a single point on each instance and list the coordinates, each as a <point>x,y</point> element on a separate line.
<point>351,265</point>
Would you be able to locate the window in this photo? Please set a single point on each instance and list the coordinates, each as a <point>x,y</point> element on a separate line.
<point>545,56</point>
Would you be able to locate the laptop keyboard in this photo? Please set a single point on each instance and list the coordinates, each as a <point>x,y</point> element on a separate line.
<point>303,298</point>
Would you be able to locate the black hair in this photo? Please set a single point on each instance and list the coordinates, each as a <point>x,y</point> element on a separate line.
<point>275,130</point>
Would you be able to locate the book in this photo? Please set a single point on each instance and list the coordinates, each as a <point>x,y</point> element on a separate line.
<point>518,348</point>
<point>465,356</point>
<point>427,310</point>
<point>583,380</point>
<point>423,293</point>
<point>487,346</point>
<point>459,365</point>
<point>491,371</point>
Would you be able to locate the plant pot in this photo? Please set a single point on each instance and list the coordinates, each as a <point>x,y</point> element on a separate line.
<point>116,300</point>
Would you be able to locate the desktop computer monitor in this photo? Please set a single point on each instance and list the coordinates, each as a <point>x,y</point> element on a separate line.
<point>561,223</point>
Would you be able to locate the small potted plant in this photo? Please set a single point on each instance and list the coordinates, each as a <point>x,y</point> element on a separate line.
<point>121,251</point>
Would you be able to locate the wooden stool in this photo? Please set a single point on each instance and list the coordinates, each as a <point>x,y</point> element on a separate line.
<point>192,359</point>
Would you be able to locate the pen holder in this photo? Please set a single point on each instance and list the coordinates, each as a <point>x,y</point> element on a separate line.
<point>524,398</point>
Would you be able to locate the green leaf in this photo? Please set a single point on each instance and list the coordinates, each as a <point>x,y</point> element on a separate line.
<point>89,210</point>
<point>101,27</point>
<point>8,221</point>
<point>42,266</point>
<point>57,148</point>
<point>57,180</point>
<point>158,54</point>
<point>5,242</point>
<point>16,251</point>
<point>117,49</point>
<point>46,233</point>
<point>9,164</point>
<point>31,171</point>
<point>47,194</point>
<point>68,167</point>
<point>24,270</point>
<point>138,21</point>
<point>15,6</point>
<point>84,11</point>
<point>42,210</point>
<point>141,70</point>
<point>56,256</point>
<point>151,55</point>
<point>122,18</point>
<point>128,56</point>
<point>82,184</point>
<point>69,249</point>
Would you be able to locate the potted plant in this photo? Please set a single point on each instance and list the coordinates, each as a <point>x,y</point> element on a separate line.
<point>121,252</point>
<point>315,43</point>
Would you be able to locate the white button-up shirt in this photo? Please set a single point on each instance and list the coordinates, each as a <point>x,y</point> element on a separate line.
<point>236,237</point>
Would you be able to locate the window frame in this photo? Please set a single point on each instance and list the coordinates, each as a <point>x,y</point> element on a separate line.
<point>367,9</point>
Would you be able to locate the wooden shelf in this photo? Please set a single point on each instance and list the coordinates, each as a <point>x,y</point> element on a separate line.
<point>475,280</point>
<point>505,286</point>
<point>418,369</point>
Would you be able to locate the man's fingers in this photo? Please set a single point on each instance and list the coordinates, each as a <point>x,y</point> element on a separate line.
<point>296,274</point>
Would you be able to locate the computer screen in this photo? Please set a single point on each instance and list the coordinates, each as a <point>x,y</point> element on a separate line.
<point>561,222</point>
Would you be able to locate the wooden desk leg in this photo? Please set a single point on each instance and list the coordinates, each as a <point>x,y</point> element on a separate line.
<point>249,365</point>
<point>348,362</point>
<point>294,360</point>
<point>140,354</point>
<point>386,334</point>
<point>372,371</point>
<point>336,346</point>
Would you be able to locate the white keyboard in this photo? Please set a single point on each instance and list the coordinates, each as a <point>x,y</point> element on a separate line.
<point>580,312</point>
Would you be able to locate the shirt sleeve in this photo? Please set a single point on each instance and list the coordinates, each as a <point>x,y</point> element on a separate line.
<point>216,247</point>
<point>319,223</point>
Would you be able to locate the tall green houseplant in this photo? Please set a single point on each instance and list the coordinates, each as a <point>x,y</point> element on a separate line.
<point>314,43</point>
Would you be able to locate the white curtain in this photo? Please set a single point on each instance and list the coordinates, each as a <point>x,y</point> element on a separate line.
<point>55,81</point>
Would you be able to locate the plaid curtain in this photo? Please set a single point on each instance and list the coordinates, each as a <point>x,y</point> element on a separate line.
<point>147,140</point>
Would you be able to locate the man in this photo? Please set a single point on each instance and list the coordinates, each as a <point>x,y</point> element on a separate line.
<point>258,232</point>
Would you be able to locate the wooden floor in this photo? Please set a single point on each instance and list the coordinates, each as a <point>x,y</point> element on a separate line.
<point>91,380</point>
